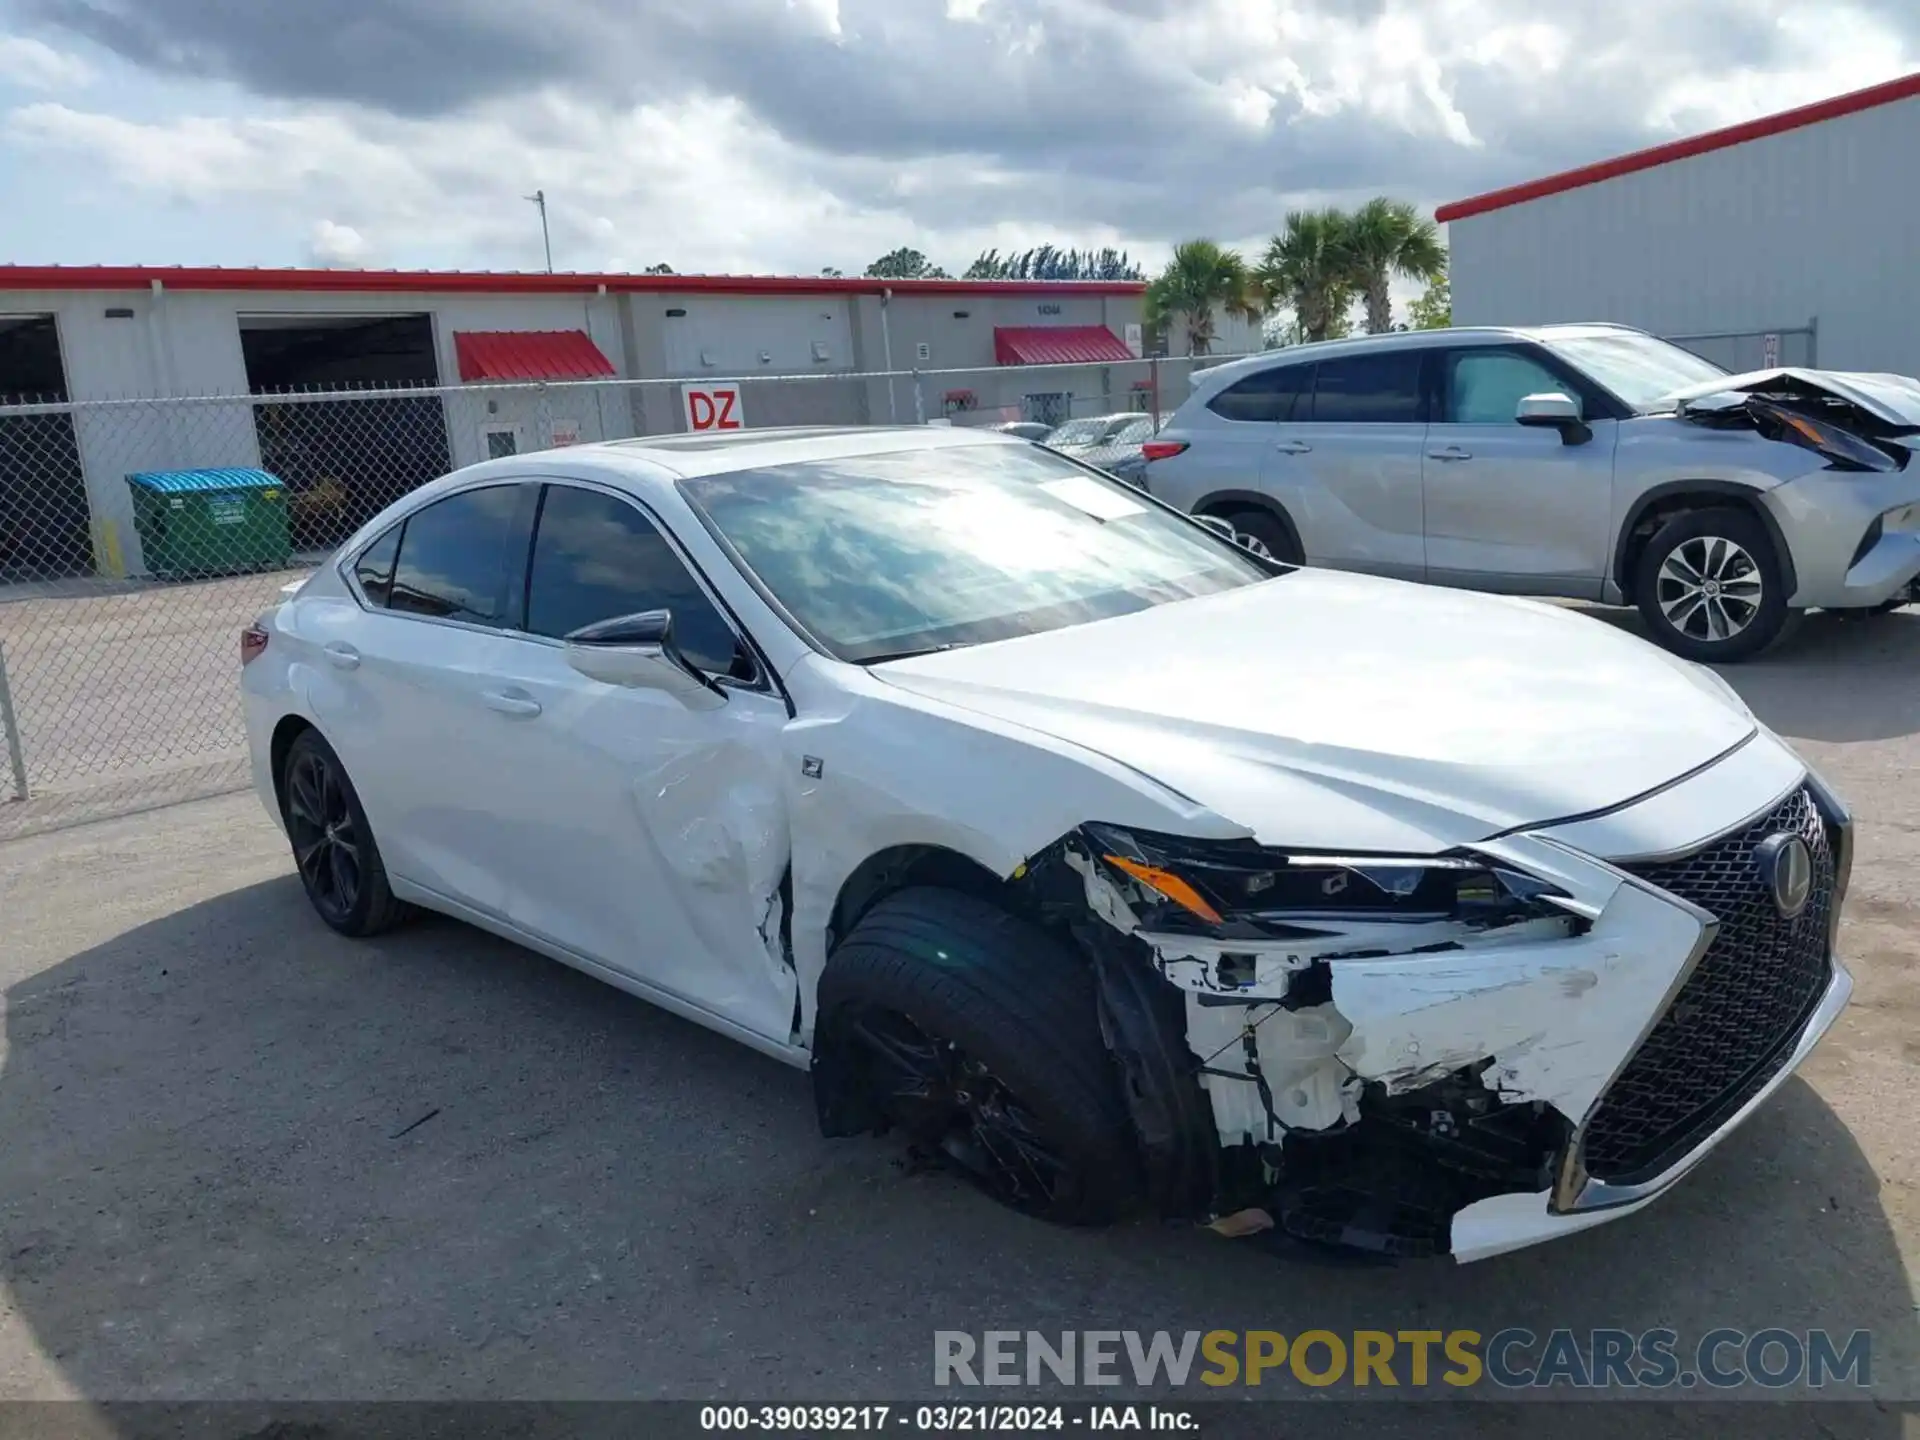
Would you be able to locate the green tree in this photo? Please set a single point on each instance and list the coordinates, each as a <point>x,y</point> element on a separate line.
<point>1050,262</point>
<point>1199,279</point>
<point>905,263</point>
<point>1384,238</point>
<point>1434,309</point>
<point>831,272</point>
<point>661,269</point>
<point>1307,267</point>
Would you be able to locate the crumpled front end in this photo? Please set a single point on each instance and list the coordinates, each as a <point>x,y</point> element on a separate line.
<point>1462,1053</point>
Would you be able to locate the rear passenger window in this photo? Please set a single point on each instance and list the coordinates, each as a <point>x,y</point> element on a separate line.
<point>1375,389</point>
<point>374,568</point>
<point>596,557</point>
<point>1265,396</point>
<point>454,557</point>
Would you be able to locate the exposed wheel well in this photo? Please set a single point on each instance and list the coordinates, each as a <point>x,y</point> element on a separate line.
<point>901,867</point>
<point>289,729</point>
<point>1660,505</point>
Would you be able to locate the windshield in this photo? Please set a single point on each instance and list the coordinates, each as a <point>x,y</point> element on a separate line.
<point>881,556</point>
<point>1638,368</point>
<point>1079,432</point>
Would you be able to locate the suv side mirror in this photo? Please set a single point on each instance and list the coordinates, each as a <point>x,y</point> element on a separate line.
<point>638,652</point>
<point>1553,410</point>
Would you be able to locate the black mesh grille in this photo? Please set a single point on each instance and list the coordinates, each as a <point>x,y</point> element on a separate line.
<point>1729,1029</point>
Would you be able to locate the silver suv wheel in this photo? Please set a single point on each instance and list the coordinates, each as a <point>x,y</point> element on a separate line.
<point>1710,588</point>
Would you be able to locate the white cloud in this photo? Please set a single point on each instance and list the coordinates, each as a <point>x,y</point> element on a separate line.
<point>768,135</point>
<point>337,246</point>
<point>38,66</point>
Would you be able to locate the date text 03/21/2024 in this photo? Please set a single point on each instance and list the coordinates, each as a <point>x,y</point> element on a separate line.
<point>944,1419</point>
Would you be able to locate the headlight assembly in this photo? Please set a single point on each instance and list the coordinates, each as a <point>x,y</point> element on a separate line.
<point>1237,889</point>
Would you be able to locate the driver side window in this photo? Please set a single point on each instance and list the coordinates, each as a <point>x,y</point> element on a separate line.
<point>596,557</point>
<point>1485,387</point>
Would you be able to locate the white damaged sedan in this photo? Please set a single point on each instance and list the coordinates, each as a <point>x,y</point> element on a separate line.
<point>1114,866</point>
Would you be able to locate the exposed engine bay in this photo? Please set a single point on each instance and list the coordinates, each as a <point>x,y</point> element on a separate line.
<point>1858,422</point>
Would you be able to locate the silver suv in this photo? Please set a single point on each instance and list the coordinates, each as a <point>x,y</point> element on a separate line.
<point>1589,461</point>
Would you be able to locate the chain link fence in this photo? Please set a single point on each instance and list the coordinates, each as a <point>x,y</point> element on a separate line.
<point>1743,350</point>
<point>138,537</point>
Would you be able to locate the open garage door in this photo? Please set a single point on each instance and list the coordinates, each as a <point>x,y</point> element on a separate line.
<point>43,495</point>
<point>344,458</point>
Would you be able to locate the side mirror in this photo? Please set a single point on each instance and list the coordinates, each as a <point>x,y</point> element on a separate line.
<point>638,653</point>
<point>1552,410</point>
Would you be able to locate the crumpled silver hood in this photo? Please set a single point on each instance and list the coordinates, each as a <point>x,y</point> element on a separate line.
<point>1323,708</point>
<point>1892,399</point>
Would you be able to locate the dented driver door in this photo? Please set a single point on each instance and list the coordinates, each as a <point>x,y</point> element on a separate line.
<point>655,836</point>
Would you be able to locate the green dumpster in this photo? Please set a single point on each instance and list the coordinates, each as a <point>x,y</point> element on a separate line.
<point>194,523</point>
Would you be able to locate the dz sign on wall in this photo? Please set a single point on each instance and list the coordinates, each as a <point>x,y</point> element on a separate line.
<point>712,407</point>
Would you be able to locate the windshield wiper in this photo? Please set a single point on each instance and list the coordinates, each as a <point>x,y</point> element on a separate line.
<point>885,656</point>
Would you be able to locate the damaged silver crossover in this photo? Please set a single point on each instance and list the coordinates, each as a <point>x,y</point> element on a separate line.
<point>1107,863</point>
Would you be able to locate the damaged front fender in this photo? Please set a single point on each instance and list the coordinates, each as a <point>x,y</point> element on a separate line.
<point>1368,1083</point>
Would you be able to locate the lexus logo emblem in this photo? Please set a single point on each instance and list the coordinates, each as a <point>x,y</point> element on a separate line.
<point>1787,865</point>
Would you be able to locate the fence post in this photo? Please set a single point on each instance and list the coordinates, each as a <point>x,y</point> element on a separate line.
<point>919,400</point>
<point>543,418</point>
<point>1153,387</point>
<point>16,758</point>
<point>1813,342</point>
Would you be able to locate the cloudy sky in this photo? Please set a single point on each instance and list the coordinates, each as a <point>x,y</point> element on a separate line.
<point>784,135</point>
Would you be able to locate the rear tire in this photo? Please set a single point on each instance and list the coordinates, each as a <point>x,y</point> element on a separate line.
<point>1272,533</point>
<point>1709,586</point>
<point>977,1036</point>
<point>333,846</point>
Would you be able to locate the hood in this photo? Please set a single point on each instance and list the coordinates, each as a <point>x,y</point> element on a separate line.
<point>1894,400</point>
<point>1335,710</point>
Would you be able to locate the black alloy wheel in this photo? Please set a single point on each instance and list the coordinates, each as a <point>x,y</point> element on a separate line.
<point>950,1103</point>
<point>326,842</point>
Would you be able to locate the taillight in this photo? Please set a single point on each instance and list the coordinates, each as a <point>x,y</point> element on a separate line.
<point>253,643</point>
<point>1162,449</point>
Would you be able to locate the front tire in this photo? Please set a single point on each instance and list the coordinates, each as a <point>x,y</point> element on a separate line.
<point>977,1036</point>
<point>333,846</point>
<point>1709,586</point>
<point>1271,538</point>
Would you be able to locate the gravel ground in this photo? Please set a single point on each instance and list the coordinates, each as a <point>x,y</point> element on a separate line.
<point>241,1158</point>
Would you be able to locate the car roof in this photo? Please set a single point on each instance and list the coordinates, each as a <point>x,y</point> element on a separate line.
<point>656,461</point>
<point>1214,376</point>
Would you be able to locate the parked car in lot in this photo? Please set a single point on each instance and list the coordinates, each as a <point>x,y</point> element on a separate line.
<point>1588,461</point>
<point>1120,867</point>
<point>1090,434</point>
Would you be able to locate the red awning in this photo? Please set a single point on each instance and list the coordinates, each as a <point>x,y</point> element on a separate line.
<point>1058,345</point>
<point>529,355</point>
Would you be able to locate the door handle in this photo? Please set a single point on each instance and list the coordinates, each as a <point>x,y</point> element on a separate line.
<point>342,656</point>
<point>1451,452</point>
<point>524,706</point>
<point>1292,447</point>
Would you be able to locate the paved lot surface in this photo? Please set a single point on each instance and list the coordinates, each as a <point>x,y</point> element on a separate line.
<point>114,687</point>
<point>242,1158</point>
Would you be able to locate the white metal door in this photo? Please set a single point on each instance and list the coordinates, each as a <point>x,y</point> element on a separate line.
<point>653,838</point>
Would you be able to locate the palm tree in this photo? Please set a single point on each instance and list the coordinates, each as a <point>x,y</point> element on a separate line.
<point>1386,238</point>
<point>1200,277</point>
<point>1308,268</point>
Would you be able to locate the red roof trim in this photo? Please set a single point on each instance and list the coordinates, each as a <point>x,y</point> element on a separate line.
<point>205,277</point>
<point>1057,345</point>
<point>1905,88</point>
<point>529,355</point>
